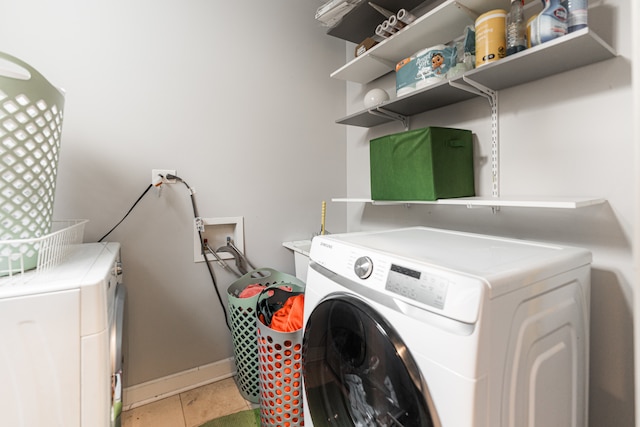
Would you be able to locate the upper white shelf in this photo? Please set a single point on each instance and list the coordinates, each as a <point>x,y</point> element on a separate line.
<point>440,25</point>
<point>575,50</point>
<point>362,20</point>
<point>569,52</point>
<point>470,202</point>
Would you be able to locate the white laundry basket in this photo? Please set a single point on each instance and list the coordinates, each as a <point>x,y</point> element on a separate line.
<point>31,111</point>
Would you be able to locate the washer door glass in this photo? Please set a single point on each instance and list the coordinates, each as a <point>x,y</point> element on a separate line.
<point>357,371</point>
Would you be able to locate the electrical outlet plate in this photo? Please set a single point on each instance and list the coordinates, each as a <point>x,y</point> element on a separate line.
<point>156,173</point>
<point>216,231</point>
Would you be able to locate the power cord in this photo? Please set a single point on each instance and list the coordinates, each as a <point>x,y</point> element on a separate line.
<point>128,212</point>
<point>202,245</point>
<point>195,213</point>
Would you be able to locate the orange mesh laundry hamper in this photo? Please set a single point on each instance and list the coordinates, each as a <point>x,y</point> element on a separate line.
<point>243,318</point>
<point>280,363</point>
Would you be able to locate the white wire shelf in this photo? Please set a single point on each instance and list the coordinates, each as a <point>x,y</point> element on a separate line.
<point>51,248</point>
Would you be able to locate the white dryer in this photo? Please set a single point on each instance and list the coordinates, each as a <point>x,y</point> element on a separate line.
<point>61,342</point>
<point>428,327</point>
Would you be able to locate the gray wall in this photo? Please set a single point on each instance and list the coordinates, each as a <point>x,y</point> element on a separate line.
<point>235,97</point>
<point>566,135</point>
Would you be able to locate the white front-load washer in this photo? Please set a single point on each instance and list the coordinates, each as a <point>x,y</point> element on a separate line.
<point>429,327</point>
<point>61,342</point>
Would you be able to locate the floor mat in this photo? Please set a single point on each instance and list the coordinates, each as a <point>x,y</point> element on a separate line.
<point>249,418</point>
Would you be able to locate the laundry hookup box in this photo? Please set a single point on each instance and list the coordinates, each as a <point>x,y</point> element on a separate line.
<point>422,164</point>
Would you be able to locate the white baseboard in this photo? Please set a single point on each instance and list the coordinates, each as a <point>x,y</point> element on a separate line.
<point>151,391</point>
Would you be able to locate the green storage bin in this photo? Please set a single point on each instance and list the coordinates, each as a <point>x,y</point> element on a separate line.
<point>423,164</point>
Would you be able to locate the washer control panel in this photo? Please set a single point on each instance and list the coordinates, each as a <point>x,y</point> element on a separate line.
<point>426,288</point>
<point>419,283</point>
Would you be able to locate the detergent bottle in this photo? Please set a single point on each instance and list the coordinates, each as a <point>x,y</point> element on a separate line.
<point>551,23</point>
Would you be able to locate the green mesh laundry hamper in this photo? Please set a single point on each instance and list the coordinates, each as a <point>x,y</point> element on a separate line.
<point>30,130</point>
<point>243,317</point>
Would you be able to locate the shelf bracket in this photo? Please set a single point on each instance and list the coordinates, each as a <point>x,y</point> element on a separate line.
<point>379,111</point>
<point>492,96</point>
<point>467,88</point>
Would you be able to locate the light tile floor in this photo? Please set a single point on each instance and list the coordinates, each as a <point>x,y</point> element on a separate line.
<point>191,408</point>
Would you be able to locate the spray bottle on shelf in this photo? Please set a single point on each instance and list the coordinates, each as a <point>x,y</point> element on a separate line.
<point>516,27</point>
